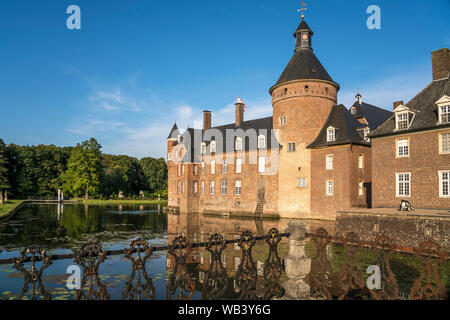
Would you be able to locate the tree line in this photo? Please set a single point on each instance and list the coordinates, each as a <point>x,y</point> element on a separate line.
<point>80,171</point>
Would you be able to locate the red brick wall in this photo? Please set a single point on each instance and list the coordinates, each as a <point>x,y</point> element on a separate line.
<point>424,162</point>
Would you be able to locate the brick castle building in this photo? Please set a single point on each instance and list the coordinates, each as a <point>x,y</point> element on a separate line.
<point>309,160</point>
<point>411,150</point>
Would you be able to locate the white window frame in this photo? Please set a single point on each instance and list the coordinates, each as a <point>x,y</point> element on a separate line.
<point>238,144</point>
<point>283,121</point>
<point>224,166</point>
<point>444,114</point>
<point>202,187</point>
<point>182,169</point>
<point>405,183</point>
<point>366,133</point>
<point>195,187</point>
<point>203,167</point>
<point>330,187</point>
<point>212,147</point>
<point>213,167</point>
<point>169,156</point>
<point>360,161</point>
<point>203,148</point>
<point>402,150</point>
<point>261,141</point>
<point>302,183</point>
<point>211,187</point>
<point>399,121</point>
<point>238,187</point>
<point>441,183</point>
<point>361,188</point>
<point>223,187</point>
<point>261,164</point>
<point>331,134</point>
<point>328,163</point>
<point>238,165</point>
<point>441,143</point>
<point>179,187</point>
<point>183,187</point>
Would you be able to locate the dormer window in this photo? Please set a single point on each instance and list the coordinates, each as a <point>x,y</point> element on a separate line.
<point>179,139</point>
<point>331,134</point>
<point>238,144</point>
<point>203,148</point>
<point>353,110</point>
<point>444,109</point>
<point>261,142</point>
<point>212,147</point>
<point>402,120</point>
<point>366,134</point>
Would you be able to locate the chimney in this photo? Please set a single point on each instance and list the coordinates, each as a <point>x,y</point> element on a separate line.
<point>441,63</point>
<point>398,103</point>
<point>206,120</point>
<point>239,113</point>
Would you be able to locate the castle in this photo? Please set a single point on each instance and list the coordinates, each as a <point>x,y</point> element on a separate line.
<point>311,159</point>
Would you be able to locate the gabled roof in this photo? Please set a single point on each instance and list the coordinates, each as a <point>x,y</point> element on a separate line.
<point>346,127</point>
<point>174,132</point>
<point>374,115</point>
<point>304,65</point>
<point>425,108</point>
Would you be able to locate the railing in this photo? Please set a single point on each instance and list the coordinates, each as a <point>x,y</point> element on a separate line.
<point>181,284</point>
<point>305,277</point>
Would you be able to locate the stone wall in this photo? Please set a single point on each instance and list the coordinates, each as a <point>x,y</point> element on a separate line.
<point>407,231</point>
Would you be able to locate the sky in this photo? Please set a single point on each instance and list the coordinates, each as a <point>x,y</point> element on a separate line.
<point>137,66</point>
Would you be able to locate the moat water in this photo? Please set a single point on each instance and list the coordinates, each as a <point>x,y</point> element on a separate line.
<point>61,230</point>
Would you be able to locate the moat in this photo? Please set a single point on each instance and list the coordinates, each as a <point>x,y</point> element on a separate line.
<point>62,229</point>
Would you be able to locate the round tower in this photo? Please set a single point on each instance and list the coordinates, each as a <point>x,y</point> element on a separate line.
<point>302,99</point>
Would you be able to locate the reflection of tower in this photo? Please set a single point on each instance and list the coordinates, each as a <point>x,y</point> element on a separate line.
<point>302,100</point>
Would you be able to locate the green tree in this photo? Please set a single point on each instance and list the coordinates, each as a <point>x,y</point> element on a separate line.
<point>84,170</point>
<point>155,173</point>
<point>4,183</point>
<point>122,173</point>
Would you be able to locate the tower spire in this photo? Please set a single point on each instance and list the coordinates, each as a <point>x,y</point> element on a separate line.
<point>303,9</point>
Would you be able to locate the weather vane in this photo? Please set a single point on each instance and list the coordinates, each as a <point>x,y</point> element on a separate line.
<point>303,9</point>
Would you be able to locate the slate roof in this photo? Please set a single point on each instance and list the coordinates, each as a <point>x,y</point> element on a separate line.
<point>174,132</point>
<point>346,127</point>
<point>424,104</point>
<point>304,65</point>
<point>191,137</point>
<point>374,115</point>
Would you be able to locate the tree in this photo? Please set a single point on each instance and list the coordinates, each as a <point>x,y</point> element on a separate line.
<point>84,170</point>
<point>122,173</point>
<point>4,184</point>
<point>155,172</point>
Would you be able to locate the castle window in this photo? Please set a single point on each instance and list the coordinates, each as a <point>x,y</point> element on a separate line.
<point>212,147</point>
<point>238,144</point>
<point>195,186</point>
<point>282,121</point>
<point>213,166</point>
<point>182,187</point>
<point>179,170</point>
<point>306,87</point>
<point>182,170</point>
<point>224,166</point>
<point>211,187</point>
<point>202,187</point>
<point>237,187</point>
<point>238,165</point>
<point>179,138</point>
<point>331,134</point>
<point>223,187</point>
<point>301,183</point>
<point>403,184</point>
<point>402,148</point>
<point>444,112</point>
<point>330,187</point>
<point>353,110</point>
<point>179,187</point>
<point>291,147</point>
<point>445,142</point>
<point>366,134</point>
<point>261,164</point>
<point>361,161</point>
<point>329,162</point>
<point>203,148</point>
<point>203,167</point>
<point>444,184</point>
<point>195,169</point>
<point>261,142</point>
<point>360,188</point>
<point>169,156</point>
<point>285,91</point>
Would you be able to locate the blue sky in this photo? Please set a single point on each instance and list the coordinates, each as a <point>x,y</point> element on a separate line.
<point>136,66</point>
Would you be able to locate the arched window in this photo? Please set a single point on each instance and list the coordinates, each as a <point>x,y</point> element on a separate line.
<point>238,143</point>
<point>212,147</point>
<point>203,148</point>
<point>261,142</point>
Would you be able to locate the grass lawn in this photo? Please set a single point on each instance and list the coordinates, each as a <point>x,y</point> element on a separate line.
<point>8,206</point>
<point>100,202</point>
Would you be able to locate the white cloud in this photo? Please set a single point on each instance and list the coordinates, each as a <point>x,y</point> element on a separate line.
<point>114,100</point>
